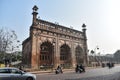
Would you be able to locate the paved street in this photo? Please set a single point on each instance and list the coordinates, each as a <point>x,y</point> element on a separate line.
<point>90,74</point>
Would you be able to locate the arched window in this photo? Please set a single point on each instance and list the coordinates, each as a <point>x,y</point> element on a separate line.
<point>64,52</point>
<point>46,53</point>
<point>65,56</point>
<point>79,55</point>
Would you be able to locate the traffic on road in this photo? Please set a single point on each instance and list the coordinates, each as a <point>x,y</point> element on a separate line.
<point>90,74</point>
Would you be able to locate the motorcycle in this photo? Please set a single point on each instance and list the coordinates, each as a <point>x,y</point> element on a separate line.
<point>57,71</point>
<point>80,70</point>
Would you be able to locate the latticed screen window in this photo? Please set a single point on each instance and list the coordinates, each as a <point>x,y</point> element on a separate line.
<point>62,57</point>
<point>46,52</point>
<point>78,54</point>
<point>44,57</point>
<point>63,53</point>
<point>44,48</point>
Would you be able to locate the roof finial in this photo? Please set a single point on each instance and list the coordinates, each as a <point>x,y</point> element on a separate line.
<point>35,8</point>
<point>84,26</point>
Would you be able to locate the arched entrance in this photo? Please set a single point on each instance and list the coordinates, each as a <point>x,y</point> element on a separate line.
<point>79,55</point>
<point>46,54</point>
<point>65,56</point>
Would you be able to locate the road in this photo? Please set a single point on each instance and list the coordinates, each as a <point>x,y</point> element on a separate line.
<point>90,74</point>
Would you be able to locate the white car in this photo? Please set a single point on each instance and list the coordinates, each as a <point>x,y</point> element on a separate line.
<point>8,73</point>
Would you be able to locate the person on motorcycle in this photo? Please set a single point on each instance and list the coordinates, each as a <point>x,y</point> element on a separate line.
<point>82,67</point>
<point>77,68</point>
<point>59,70</point>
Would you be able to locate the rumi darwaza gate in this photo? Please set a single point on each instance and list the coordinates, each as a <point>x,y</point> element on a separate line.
<point>52,44</point>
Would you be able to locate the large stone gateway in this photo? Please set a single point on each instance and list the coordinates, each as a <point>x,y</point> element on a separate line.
<point>52,44</point>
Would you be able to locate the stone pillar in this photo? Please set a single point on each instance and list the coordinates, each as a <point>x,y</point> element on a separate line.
<point>35,50</point>
<point>34,53</point>
<point>55,42</point>
<point>73,61</point>
<point>57,56</point>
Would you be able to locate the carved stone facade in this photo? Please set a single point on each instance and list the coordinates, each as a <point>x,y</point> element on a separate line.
<point>54,44</point>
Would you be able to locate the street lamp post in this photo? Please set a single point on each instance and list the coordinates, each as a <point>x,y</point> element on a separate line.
<point>94,52</point>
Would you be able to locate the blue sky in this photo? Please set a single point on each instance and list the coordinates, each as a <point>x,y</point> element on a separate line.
<point>101,17</point>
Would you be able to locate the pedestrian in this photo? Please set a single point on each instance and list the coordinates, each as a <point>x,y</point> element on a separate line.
<point>20,68</point>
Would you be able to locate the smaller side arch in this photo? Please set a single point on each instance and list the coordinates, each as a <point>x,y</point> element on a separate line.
<point>79,55</point>
<point>65,56</point>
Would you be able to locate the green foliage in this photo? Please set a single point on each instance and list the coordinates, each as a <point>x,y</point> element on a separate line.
<point>11,57</point>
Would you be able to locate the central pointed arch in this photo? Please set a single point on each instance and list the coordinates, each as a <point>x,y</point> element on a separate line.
<point>46,53</point>
<point>65,56</point>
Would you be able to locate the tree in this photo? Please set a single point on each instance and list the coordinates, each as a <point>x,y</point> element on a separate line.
<point>7,39</point>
